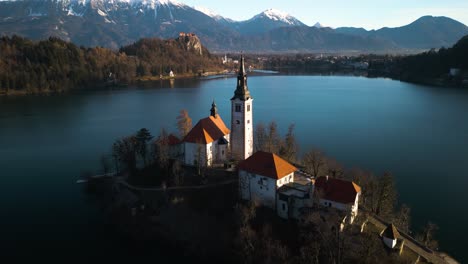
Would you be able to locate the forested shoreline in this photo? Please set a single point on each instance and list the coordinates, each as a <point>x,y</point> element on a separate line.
<point>431,65</point>
<point>54,65</point>
<point>442,67</point>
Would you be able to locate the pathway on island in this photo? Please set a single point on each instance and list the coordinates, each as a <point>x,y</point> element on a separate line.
<point>158,189</point>
<point>412,244</point>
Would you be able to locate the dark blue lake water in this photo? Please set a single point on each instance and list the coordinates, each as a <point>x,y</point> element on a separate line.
<point>418,133</point>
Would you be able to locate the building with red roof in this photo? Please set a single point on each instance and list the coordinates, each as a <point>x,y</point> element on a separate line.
<point>340,194</point>
<point>261,175</point>
<point>174,145</point>
<point>208,141</point>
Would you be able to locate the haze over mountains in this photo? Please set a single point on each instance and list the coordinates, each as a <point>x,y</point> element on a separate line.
<point>113,23</point>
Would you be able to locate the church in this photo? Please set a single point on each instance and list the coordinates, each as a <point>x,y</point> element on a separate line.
<point>210,142</point>
<point>263,177</point>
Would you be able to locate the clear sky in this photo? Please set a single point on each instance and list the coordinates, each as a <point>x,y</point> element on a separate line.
<point>370,14</point>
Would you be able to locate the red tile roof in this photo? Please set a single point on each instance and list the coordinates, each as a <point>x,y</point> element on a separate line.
<point>337,190</point>
<point>173,140</point>
<point>207,130</point>
<point>267,164</point>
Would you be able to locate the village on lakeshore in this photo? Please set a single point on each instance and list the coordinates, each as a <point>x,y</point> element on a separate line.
<point>267,180</point>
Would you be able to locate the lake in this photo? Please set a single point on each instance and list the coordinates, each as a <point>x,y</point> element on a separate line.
<point>418,133</point>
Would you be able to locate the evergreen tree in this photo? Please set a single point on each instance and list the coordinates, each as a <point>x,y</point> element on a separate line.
<point>143,136</point>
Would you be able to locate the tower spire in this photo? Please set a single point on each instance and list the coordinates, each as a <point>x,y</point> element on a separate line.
<point>242,91</point>
<point>242,66</point>
<point>214,109</point>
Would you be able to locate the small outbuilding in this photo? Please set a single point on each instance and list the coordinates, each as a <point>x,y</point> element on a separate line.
<point>390,236</point>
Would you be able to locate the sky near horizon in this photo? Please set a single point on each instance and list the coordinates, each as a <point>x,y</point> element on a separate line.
<point>370,14</point>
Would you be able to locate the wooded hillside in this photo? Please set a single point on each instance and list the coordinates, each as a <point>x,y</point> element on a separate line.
<point>54,65</point>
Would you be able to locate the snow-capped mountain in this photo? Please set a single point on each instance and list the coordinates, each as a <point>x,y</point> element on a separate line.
<point>113,23</point>
<point>110,23</point>
<point>266,21</point>
<point>208,12</point>
<point>220,19</point>
<point>280,16</point>
<point>260,23</point>
<point>318,25</point>
<point>117,22</point>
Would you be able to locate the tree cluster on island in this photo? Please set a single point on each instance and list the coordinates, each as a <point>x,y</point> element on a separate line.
<point>55,65</point>
<point>254,233</point>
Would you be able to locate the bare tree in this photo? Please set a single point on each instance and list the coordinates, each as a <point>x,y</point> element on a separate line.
<point>314,162</point>
<point>246,240</point>
<point>124,150</point>
<point>402,218</point>
<point>370,249</point>
<point>272,250</point>
<point>161,149</point>
<point>260,137</point>
<point>247,212</point>
<point>184,123</point>
<point>177,173</point>
<point>322,235</point>
<point>273,140</point>
<point>427,237</point>
<point>201,159</point>
<point>387,196</point>
<point>335,169</point>
<point>105,164</point>
<point>370,187</point>
<point>289,146</point>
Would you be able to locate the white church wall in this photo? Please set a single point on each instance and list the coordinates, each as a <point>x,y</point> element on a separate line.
<point>248,124</point>
<point>259,188</point>
<point>195,153</point>
<point>190,150</point>
<point>209,154</point>
<point>242,128</point>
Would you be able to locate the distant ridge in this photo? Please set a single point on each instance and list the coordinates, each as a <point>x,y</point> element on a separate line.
<point>121,22</point>
<point>426,32</point>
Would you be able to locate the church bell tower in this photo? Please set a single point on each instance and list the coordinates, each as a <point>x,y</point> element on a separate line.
<point>241,118</point>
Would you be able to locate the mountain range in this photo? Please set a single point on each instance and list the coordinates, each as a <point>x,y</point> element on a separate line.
<point>113,23</point>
